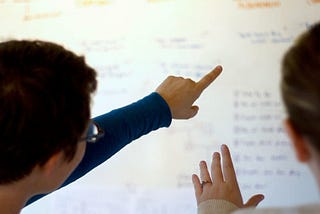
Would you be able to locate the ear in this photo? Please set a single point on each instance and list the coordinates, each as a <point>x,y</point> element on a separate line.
<point>299,143</point>
<point>52,164</point>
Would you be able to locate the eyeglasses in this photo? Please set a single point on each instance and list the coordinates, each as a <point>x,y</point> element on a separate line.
<point>94,133</point>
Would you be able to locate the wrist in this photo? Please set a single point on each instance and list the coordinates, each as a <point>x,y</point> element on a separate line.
<point>216,206</point>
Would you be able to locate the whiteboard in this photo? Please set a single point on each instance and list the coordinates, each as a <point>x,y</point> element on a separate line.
<point>134,45</point>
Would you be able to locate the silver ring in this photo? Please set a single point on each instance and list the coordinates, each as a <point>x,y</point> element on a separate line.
<point>205,182</point>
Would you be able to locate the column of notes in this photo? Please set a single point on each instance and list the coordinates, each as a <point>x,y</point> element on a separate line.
<point>261,148</point>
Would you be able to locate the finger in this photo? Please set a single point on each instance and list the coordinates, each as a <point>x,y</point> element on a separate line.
<point>216,172</point>
<point>204,174</point>
<point>196,186</point>
<point>228,169</point>
<point>254,200</point>
<point>209,78</point>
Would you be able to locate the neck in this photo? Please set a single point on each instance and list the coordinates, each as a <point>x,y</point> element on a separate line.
<point>13,196</point>
<point>12,199</point>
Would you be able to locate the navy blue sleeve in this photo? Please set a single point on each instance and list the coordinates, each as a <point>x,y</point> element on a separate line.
<point>121,127</point>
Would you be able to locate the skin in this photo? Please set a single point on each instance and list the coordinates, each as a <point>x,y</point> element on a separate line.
<point>222,181</point>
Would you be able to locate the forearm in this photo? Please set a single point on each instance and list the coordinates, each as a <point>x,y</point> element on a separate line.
<point>121,127</point>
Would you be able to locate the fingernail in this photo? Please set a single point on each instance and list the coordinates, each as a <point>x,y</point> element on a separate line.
<point>219,67</point>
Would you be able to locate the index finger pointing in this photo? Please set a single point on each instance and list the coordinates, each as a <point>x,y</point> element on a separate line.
<point>209,78</point>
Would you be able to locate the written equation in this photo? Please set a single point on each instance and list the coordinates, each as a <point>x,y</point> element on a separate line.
<point>114,70</point>
<point>258,4</point>
<point>157,1</point>
<point>105,45</point>
<point>92,2</point>
<point>38,10</point>
<point>185,69</point>
<point>271,37</point>
<point>179,43</point>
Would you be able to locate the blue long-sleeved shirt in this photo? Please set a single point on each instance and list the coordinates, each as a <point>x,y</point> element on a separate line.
<point>121,126</point>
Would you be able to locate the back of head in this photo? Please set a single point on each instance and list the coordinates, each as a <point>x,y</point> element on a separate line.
<point>300,85</point>
<point>45,94</point>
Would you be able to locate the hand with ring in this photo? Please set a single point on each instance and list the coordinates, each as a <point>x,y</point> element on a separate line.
<point>222,184</point>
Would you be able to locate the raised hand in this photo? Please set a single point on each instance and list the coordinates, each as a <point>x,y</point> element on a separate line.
<point>181,93</point>
<point>222,184</point>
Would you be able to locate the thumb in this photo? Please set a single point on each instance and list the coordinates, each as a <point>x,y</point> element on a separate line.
<point>193,111</point>
<point>186,113</point>
<point>254,200</point>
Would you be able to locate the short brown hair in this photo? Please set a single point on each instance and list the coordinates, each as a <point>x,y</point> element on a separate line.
<point>45,95</point>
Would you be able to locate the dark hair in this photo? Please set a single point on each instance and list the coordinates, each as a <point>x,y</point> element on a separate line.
<point>45,95</point>
<point>300,85</point>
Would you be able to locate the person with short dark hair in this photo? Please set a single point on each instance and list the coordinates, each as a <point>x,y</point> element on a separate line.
<point>47,139</point>
<point>300,89</point>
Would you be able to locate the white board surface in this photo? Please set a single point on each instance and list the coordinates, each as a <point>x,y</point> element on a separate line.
<point>134,45</point>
